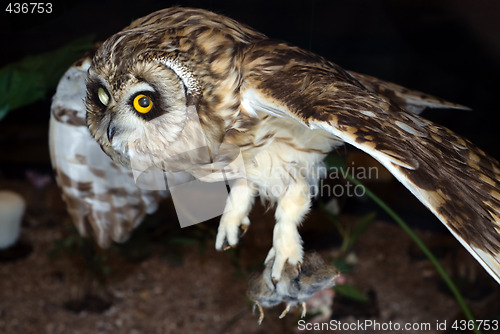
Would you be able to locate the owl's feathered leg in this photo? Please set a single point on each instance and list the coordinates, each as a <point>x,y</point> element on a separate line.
<point>235,218</point>
<point>287,243</point>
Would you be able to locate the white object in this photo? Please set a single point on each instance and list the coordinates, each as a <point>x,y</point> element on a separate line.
<point>11,212</point>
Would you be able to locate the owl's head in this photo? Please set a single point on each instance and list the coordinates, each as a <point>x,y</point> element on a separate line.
<point>138,97</point>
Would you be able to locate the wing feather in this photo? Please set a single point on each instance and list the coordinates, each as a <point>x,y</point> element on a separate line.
<point>456,180</point>
<point>411,100</point>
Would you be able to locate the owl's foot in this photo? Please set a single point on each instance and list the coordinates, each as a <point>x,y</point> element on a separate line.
<point>230,232</point>
<point>234,222</point>
<point>292,254</point>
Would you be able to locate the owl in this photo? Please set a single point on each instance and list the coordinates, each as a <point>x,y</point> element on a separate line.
<point>189,90</point>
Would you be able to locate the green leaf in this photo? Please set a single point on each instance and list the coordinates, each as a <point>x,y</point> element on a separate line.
<point>30,79</point>
<point>360,227</point>
<point>342,266</point>
<point>3,110</point>
<point>351,292</point>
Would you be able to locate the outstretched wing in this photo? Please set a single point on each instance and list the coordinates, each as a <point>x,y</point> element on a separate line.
<point>411,100</point>
<point>98,193</point>
<point>456,180</point>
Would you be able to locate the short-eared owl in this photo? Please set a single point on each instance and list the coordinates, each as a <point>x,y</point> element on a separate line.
<point>184,78</point>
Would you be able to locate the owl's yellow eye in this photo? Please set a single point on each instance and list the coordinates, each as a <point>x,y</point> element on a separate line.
<point>103,96</point>
<point>143,103</point>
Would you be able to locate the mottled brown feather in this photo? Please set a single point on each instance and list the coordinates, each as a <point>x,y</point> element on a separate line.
<point>459,180</point>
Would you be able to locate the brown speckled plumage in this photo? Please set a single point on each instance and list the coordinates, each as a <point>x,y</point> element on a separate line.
<point>285,108</point>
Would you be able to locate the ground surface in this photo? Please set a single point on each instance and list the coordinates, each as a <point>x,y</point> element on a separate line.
<point>170,283</point>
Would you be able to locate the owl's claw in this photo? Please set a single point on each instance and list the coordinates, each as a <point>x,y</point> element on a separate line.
<point>243,229</point>
<point>230,232</point>
<point>291,255</point>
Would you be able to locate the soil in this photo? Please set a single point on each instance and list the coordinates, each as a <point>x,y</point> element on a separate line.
<point>171,280</point>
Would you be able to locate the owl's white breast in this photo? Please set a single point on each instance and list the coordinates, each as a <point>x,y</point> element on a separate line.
<point>284,151</point>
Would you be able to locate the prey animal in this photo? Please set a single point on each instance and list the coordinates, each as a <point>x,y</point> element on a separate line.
<point>294,287</point>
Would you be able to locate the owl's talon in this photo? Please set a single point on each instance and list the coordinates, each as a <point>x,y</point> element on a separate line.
<point>274,280</point>
<point>242,230</point>
<point>291,255</point>
<point>230,232</point>
<point>224,247</point>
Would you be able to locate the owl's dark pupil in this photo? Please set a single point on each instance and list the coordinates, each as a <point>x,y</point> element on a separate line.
<point>144,102</point>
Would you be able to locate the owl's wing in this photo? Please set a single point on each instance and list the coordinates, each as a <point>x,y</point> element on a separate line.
<point>411,100</point>
<point>456,180</point>
<point>98,193</point>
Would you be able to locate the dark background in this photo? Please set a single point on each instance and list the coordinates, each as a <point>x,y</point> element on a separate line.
<point>449,48</point>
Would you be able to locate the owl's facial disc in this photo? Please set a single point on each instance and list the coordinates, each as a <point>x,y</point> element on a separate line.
<point>138,113</point>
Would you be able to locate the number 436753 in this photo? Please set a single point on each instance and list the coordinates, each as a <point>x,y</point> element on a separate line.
<point>486,325</point>
<point>29,8</point>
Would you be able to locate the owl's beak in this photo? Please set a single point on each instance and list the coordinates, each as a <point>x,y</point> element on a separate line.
<point>111,132</point>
